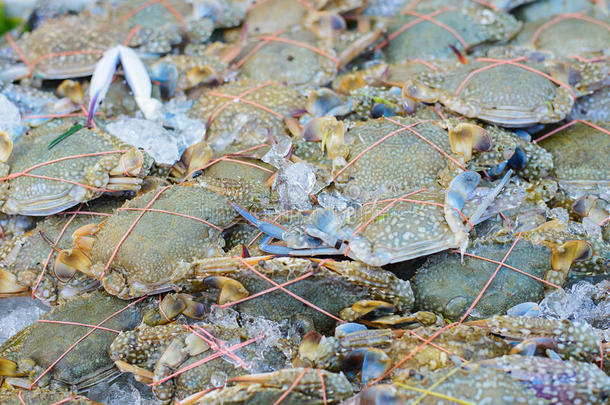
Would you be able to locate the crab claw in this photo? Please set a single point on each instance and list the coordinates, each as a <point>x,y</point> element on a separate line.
<point>6,146</point>
<point>466,138</point>
<point>230,289</point>
<point>457,193</point>
<point>566,254</point>
<point>9,284</point>
<point>367,309</point>
<point>135,73</point>
<point>371,361</point>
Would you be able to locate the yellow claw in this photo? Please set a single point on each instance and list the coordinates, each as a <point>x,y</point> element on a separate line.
<point>230,289</point>
<point>6,146</point>
<point>71,89</point>
<point>465,138</point>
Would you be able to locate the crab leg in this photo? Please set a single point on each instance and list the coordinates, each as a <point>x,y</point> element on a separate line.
<point>267,247</point>
<point>266,227</point>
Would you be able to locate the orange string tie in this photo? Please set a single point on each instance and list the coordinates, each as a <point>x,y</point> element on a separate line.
<point>83,338</point>
<point>239,97</point>
<point>410,24</point>
<point>322,387</point>
<point>203,221</point>
<point>293,295</point>
<point>493,276</point>
<point>508,267</point>
<point>413,353</point>
<point>442,349</point>
<point>79,324</point>
<point>512,62</point>
<point>205,360</point>
<point>124,237</point>
<point>566,16</point>
<point>440,24</point>
<point>429,142</point>
<point>292,386</point>
<point>388,136</point>
<point>377,215</point>
<point>569,124</point>
<point>258,46</point>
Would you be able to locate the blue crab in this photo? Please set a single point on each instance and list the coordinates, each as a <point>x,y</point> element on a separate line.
<point>542,90</point>
<point>430,29</point>
<point>154,353</point>
<point>426,224</point>
<point>49,188</point>
<point>313,387</point>
<point>34,349</point>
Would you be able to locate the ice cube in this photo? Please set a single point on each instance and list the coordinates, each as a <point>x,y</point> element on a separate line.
<point>19,312</point>
<point>158,142</point>
<point>10,119</point>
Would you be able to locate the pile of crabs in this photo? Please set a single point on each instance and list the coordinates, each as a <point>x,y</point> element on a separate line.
<point>368,201</point>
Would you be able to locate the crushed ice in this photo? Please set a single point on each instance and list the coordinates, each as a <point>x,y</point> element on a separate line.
<point>294,182</point>
<point>10,119</point>
<point>165,138</point>
<point>19,312</point>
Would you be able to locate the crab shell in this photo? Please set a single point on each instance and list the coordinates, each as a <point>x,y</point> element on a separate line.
<point>241,124</point>
<point>448,286</point>
<point>70,46</point>
<point>36,347</point>
<point>556,380</point>
<point>286,62</point>
<point>581,156</point>
<point>158,250</point>
<point>475,24</point>
<point>505,95</point>
<point>69,181</point>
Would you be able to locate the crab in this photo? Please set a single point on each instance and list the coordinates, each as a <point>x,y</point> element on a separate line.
<point>456,28</point>
<point>370,354</point>
<point>184,229</point>
<point>513,380</point>
<point>448,287</point>
<point>312,387</point>
<point>428,223</point>
<point>65,47</point>
<point>512,92</point>
<point>31,351</point>
<point>163,24</point>
<point>555,380</point>
<point>154,353</point>
<point>52,187</point>
<point>567,340</point>
<point>576,251</point>
<point>231,122</point>
<point>568,35</point>
<point>230,279</point>
<point>581,150</point>
<point>23,257</point>
<point>39,396</point>
<point>594,107</point>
